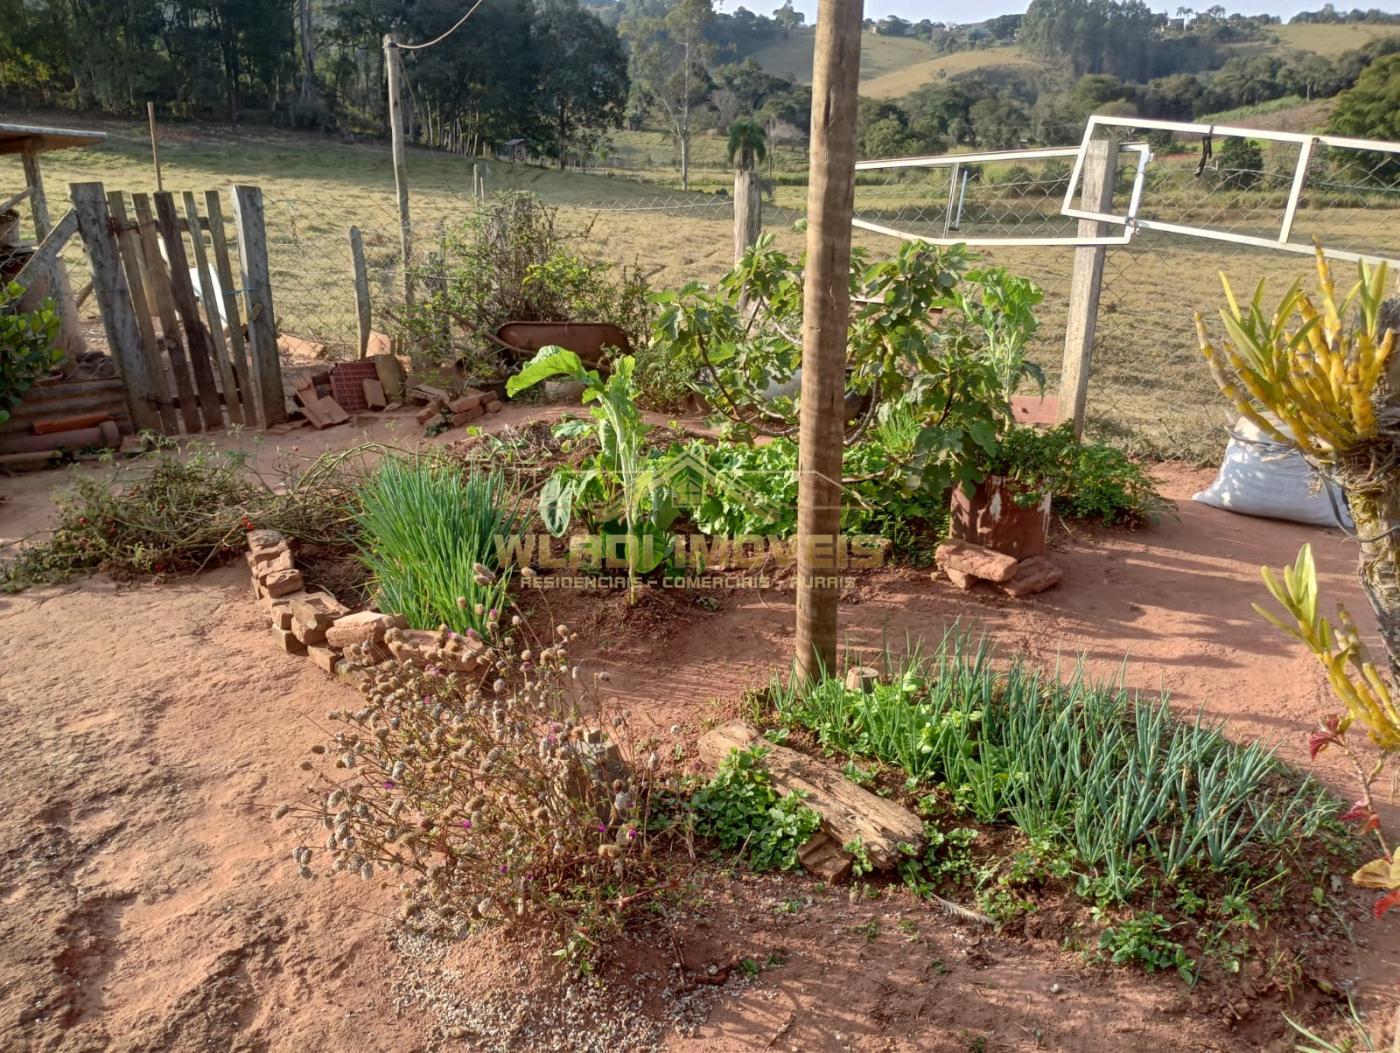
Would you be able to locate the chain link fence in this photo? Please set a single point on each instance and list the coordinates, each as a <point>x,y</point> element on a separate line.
<point>1149,390</point>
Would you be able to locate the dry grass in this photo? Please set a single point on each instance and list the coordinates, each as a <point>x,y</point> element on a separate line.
<point>996,63</point>
<point>1149,388</point>
<point>878,55</point>
<point>1331,40</point>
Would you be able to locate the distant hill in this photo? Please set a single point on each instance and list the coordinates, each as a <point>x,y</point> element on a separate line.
<point>892,67</point>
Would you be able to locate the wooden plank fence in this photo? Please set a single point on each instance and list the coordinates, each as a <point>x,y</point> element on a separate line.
<point>179,324</point>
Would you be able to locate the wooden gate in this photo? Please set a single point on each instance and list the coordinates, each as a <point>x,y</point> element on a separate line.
<point>195,345</point>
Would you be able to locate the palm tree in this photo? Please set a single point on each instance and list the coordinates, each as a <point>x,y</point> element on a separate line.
<point>748,144</point>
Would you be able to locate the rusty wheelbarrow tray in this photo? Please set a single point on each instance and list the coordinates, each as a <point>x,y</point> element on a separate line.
<point>591,341</point>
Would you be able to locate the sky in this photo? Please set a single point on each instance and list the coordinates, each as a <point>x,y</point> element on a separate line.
<point>961,11</point>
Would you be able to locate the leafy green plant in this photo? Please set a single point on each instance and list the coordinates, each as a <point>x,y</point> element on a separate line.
<point>512,259</point>
<point>623,489</point>
<point>860,856</point>
<point>1003,306</point>
<point>741,810</point>
<point>1144,939</point>
<point>1363,691</point>
<point>27,349</point>
<point>743,336</point>
<point>427,531</point>
<point>1085,480</point>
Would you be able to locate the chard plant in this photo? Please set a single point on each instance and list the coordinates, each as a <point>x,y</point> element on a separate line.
<point>622,490</point>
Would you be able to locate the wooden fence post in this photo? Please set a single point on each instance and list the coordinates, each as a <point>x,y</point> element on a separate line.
<point>362,304</point>
<point>393,65</point>
<point>257,286</point>
<point>114,300</point>
<point>159,295</point>
<point>182,288</point>
<point>129,248</point>
<point>213,304</point>
<point>70,331</point>
<point>1100,171</point>
<point>748,211</point>
<point>223,270</point>
<point>826,319</point>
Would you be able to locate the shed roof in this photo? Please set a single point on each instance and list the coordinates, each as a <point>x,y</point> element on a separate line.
<point>14,137</point>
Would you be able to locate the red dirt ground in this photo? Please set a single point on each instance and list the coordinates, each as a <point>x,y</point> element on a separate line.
<point>147,733</point>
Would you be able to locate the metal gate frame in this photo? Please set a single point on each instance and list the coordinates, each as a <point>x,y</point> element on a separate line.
<point>955,162</point>
<point>1306,144</point>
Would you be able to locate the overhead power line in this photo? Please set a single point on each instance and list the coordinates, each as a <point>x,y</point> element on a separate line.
<point>438,40</point>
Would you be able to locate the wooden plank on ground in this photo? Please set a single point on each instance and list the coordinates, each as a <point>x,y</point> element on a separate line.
<point>157,280</point>
<point>196,339</point>
<point>257,286</point>
<point>129,247</point>
<point>114,299</point>
<point>848,811</point>
<point>223,270</point>
<point>212,300</point>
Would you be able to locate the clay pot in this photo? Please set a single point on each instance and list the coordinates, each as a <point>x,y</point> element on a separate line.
<point>990,517</point>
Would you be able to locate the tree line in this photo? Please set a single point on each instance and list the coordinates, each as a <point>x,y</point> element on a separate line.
<point>558,75</point>
<point>1118,57</point>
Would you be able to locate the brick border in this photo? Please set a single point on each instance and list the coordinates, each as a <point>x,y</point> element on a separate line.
<point>342,643</point>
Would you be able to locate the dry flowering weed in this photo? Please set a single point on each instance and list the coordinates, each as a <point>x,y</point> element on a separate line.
<point>495,790</point>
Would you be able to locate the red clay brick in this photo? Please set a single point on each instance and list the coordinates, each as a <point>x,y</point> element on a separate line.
<point>976,560</point>
<point>1035,574</point>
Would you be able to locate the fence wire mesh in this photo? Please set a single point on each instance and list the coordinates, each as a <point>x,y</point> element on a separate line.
<point>1149,390</point>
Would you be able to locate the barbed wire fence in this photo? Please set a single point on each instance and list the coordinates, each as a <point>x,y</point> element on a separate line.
<point>1149,390</point>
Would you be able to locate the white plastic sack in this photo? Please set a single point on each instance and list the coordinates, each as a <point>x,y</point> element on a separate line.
<point>1264,477</point>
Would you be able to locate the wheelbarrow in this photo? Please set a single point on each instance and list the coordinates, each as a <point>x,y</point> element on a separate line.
<point>593,342</point>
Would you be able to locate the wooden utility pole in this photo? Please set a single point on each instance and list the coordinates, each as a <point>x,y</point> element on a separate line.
<point>155,150</point>
<point>826,308</point>
<point>392,60</point>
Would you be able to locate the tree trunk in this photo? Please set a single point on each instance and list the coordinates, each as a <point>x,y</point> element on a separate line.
<point>826,308</point>
<point>308,50</point>
<point>685,157</point>
<point>748,211</point>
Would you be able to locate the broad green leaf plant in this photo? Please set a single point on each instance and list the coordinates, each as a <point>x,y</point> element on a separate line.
<point>917,348</point>
<point>622,491</point>
<point>27,349</point>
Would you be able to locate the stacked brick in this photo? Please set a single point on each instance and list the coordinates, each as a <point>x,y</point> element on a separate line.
<point>965,564</point>
<point>340,641</point>
<point>463,409</point>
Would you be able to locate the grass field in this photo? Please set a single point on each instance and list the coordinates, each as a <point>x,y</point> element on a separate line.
<point>1148,391</point>
<point>1288,114</point>
<point>878,55</point>
<point>995,63</point>
<point>1330,40</point>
